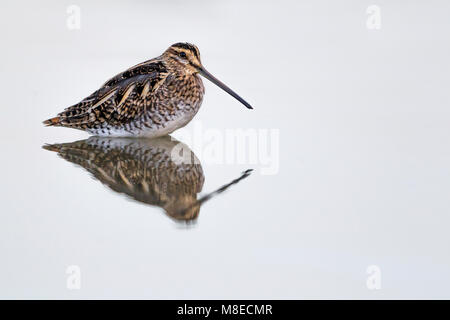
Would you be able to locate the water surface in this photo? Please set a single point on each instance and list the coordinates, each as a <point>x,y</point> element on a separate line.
<point>359,175</point>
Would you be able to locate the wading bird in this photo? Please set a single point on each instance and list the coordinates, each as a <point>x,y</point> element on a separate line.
<point>151,99</point>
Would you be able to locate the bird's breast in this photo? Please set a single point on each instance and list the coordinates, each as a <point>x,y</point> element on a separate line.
<point>184,89</point>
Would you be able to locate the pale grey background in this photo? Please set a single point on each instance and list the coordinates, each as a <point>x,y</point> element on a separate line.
<point>364,152</point>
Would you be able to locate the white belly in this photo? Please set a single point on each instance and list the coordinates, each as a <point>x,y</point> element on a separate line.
<point>132,130</point>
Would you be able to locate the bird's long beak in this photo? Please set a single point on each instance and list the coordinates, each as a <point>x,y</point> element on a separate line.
<point>222,85</point>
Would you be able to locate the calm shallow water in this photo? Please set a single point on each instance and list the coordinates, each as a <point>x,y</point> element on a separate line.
<point>360,175</point>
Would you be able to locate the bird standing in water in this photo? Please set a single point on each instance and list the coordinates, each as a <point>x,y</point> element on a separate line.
<point>151,99</point>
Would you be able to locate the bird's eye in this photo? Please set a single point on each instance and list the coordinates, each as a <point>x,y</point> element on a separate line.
<point>182,54</point>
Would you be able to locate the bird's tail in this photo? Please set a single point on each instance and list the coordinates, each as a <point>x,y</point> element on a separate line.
<point>52,122</point>
<point>52,147</point>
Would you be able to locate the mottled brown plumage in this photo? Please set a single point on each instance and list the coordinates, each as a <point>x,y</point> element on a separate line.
<point>151,99</point>
<point>162,172</point>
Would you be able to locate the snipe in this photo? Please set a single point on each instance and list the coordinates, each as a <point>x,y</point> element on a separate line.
<point>151,99</point>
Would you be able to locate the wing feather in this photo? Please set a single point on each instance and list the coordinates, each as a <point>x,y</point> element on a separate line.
<point>118,101</point>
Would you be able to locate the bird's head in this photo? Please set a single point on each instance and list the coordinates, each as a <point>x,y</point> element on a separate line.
<point>183,56</point>
<point>186,57</point>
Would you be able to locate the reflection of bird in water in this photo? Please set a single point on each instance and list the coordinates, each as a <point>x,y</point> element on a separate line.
<point>162,172</point>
